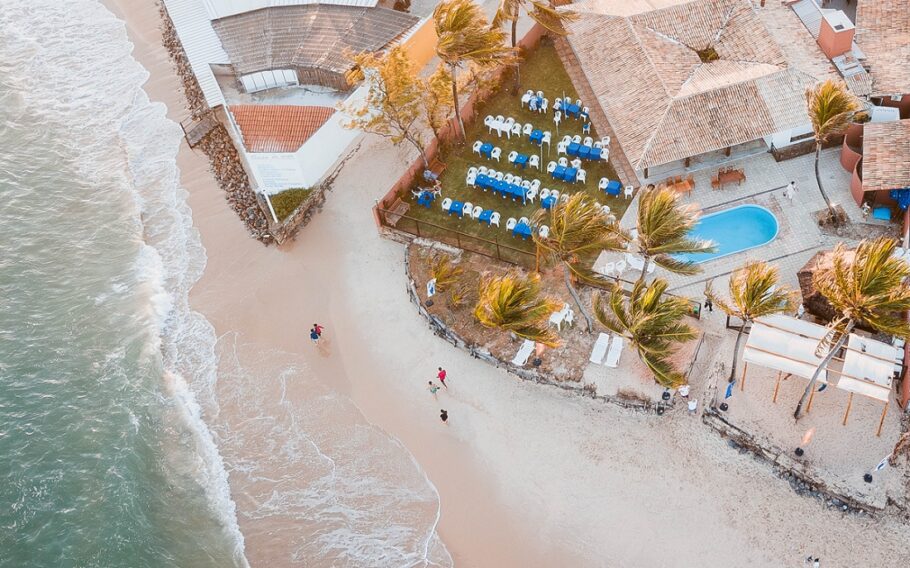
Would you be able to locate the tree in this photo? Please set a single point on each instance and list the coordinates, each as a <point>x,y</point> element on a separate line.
<point>663,230</point>
<point>465,37</point>
<point>754,292</point>
<point>831,106</point>
<point>393,104</point>
<point>444,271</point>
<point>868,286</point>
<point>578,231</point>
<point>544,14</point>
<point>436,102</point>
<point>513,303</point>
<point>651,322</point>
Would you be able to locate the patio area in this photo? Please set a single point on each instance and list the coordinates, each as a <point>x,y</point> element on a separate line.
<point>515,160</point>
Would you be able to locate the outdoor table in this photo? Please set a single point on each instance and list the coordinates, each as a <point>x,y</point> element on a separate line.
<point>521,160</point>
<point>573,148</point>
<point>499,186</point>
<point>570,174</point>
<point>584,152</point>
<point>485,216</point>
<point>483,181</point>
<point>457,208</point>
<point>536,136</point>
<point>595,154</point>
<point>547,202</point>
<point>518,192</point>
<point>559,172</point>
<point>425,199</point>
<point>486,149</point>
<point>573,110</point>
<point>522,229</point>
<point>614,187</point>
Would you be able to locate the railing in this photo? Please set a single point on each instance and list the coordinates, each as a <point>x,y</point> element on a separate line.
<point>472,243</point>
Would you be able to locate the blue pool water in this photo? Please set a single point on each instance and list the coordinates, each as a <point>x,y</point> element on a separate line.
<point>733,230</point>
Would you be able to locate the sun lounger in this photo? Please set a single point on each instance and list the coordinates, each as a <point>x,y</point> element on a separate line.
<point>615,351</point>
<point>600,348</point>
<point>523,353</point>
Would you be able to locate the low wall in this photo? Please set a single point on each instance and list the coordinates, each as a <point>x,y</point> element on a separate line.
<point>801,149</point>
<point>851,149</point>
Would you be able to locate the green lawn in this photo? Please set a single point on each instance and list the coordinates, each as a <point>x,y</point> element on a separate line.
<point>541,71</point>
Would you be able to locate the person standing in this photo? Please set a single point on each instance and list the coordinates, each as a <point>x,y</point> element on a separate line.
<point>790,191</point>
<point>441,375</point>
<point>433,389</point>
<point>709,305</point>
<point>319,329</point>
<point>314,336</point>
<point>444,416</point>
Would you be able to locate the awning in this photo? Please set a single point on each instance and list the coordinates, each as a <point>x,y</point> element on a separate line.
<point>786,344</point>
<point>869,367</point>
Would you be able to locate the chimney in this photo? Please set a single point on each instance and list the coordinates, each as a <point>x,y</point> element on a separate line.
<point>836,34</point>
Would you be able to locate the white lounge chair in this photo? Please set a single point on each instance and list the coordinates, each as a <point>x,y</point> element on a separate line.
<point>524,352</point>
<point>600,348</point>
<point>615,352</point>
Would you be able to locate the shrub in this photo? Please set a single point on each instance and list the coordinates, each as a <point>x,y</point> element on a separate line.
<point>287,201</point>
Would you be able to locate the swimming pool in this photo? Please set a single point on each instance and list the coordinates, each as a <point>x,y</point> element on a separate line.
<point>733,230</point>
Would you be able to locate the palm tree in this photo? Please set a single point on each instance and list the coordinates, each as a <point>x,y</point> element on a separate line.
<point>831,106</point>
<point>444,271</point>
<point>651,322</point>
<point>754,293</point>
<point>868,286</point>
<point>663,230</point>
<point>465,37</point>
<point>544,14</point>
<point>513,303</point>
<point>578,230</point>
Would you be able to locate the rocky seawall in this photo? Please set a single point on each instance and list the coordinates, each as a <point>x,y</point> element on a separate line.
<point>217,144</point>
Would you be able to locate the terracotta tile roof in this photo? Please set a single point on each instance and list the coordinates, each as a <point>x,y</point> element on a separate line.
<point>278,128</point>
<point>886,155</point>
<point>311,36</point>
<point>664,103</point>
<point>883,35</point>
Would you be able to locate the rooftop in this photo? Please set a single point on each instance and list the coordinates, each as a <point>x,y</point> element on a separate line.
<point>883,34</point>
<point>311,36</point>
<point>278,128</point>
<point>886,155</point>
<point>681,78</point>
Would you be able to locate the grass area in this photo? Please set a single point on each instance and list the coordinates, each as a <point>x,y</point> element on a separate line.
<point>285,202</point>
<point>541,71</point>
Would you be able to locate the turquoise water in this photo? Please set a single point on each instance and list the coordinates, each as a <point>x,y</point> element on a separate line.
<point>105,460</point>
<point>733,230</point>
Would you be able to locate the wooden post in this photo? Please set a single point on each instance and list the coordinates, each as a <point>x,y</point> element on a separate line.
<point>727,151</point>
<point>849,404</point>
<point>742,381</point>
<point>809,406</point>
<point>882,421</point>
<point>777,387</point>
<point>688,162</point>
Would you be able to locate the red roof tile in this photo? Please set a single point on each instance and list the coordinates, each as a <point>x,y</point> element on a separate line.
<point>278,128</point>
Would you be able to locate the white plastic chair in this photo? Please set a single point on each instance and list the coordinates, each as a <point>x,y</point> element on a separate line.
<point>509,178</point>
<point>535,184</point>
<point>585,111</point>
<point>525,98</point>
<point>564,162</point>
<point>576,163</point>
<point>629,191</point>
<point>554,194</point>
<point>605,141</point>
<point>540,94</point>
<point>582,176</point>
<point>476,212</point>
<point>510,224</point>
<point>446,204</point>
<point>598,144</point>
<point>602,184</point>
<point>546,139</point>
<point>564,197</point>
<point>496,153</point>
<point>525,184</point>
<point>562,148</point>
<point>588,141</point>
<point>578,103</point>
<point>544,105</point>
<point>494,218</point>
<point>577,139</point>
<point>499,176</point>
<point>477,146</point>
<point>500,118</point>
<point>531,194</point>
<point>517,180</point>
<point>490,122</point>
<point>605,153</point>
<point>467,209</point>
<point>528,129</point>
<point>472,171</point>
<point>482,170</point>
<point>516,129</point>
<point>557,101</point>
<point>566,139</point>
<point>543,231</point>
<point>551,167</point>
<point>534,161</point>
<point>524,220</point>
<point>470,179</point>
<point>557,118</point>
<point>544,193</point>
<point>605,209</point>
<point>512,155</point>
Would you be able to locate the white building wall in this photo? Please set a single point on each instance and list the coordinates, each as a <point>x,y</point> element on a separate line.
<point>222,8</point>
<point>788,137</point>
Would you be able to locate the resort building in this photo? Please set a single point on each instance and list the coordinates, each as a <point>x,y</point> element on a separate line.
<point>883,37</point>
<point>884,167</point>
<point>273,71</point>
<point>686,84</point>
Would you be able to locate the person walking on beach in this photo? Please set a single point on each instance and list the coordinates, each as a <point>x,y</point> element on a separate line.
<point>314,335</point>
<point>318,329</point>
<point>441,375</point>
<point>709,305</point>
<point>444,416</point>
<point>433,389</point>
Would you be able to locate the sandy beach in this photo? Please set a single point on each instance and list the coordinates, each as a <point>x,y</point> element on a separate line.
<point>527,475</point>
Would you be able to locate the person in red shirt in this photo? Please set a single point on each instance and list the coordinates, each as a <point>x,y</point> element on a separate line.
<point>318,329</point>
<point>441,375</point>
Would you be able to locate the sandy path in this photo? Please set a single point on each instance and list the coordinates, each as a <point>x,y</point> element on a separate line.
<point>528,475</point>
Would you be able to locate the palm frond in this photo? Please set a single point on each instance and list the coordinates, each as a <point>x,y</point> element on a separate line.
<point>444,271</point>
<point>514,303</point>
<point>755,292</point>
<point>663,230</point>
<point>831,107</point>
<point>463,35</point>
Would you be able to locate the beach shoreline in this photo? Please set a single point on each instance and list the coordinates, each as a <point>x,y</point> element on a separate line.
<point>526,476</point>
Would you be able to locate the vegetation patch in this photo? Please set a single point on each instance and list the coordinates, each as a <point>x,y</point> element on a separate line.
<point>287,201</point>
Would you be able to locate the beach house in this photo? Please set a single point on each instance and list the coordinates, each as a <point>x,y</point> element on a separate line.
<point>273,72</point>
<point>685,84</point>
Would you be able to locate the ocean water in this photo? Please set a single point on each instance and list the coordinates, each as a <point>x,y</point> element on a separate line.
<point>119,428</point>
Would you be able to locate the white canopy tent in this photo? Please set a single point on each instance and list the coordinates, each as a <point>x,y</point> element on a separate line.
<point>868,370</point>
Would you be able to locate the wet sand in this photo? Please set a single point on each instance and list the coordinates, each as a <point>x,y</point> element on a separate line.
<point>527,475</point>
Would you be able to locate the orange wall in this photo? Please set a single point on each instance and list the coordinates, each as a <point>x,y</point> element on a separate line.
<point>421,46</point>
<point>832,42</point>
